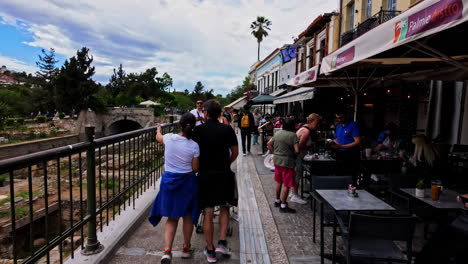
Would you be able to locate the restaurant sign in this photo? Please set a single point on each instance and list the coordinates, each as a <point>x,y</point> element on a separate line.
<point>424,19</point>
<point>305,77</point>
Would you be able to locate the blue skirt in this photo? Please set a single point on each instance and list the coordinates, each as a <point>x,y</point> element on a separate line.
<point>177,197</point>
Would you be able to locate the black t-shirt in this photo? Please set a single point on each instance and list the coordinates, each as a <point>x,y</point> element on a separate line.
<point>214,140</point>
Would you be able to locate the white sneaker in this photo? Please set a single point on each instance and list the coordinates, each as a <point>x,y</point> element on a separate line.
<point>244,154</point>
<point>297,199</point>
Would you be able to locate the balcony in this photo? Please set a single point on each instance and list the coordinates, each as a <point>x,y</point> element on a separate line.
<point>381,17</point>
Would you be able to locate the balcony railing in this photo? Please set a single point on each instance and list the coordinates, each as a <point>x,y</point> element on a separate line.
<point>57,199</point>
<point>368,24</point>
<point>267,90</point>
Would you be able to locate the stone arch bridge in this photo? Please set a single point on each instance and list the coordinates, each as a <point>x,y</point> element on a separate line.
<point>118,120</point>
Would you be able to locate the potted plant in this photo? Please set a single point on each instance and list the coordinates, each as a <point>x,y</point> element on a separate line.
<point>420,189</point>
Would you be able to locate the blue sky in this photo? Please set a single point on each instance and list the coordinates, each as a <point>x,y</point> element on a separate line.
<point>191,40</point>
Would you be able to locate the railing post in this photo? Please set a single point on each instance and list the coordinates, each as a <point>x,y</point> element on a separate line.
<point>92,244</point>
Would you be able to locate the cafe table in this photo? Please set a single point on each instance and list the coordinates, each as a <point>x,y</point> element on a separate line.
<point>447,199</point>
<point>341,201</point>
<point>316,164</point>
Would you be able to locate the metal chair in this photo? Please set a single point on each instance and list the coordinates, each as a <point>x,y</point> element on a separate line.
<point>372,237</point>
<point>326,183</point>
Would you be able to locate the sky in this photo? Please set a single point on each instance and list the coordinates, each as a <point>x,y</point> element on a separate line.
<point>192,40</point>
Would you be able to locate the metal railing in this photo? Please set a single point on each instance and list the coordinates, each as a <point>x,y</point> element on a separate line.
<point>52,208</point>
<point>368,24</point>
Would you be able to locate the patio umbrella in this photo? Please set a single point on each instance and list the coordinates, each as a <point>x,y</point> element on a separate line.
<point>263,99</point>
<point>149,102</point>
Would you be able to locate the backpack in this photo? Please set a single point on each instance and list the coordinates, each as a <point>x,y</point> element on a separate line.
<point>245,122</point>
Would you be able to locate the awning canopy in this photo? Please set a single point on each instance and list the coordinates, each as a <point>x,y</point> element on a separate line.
<point>239,103</point>
<point>263,99</point>
<point>425,42</point>
<point>301,94</point>
<point>278,92</point>
<point>305,77</point>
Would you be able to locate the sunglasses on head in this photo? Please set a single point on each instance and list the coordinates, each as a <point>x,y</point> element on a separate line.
<point>199,102</point>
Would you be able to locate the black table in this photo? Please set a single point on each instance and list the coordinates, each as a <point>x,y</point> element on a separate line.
<point>447,199</point>
<point>339,200</point>
<point>313,166</point>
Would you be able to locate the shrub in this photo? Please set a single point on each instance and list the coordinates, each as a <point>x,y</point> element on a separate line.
<point>10,121</point>
<point>20,121</point>
<point>61,115</point>
<point>42,135</point>
<point>41,119</point>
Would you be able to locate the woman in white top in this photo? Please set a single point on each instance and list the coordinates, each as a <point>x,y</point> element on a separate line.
<point>178,195</point>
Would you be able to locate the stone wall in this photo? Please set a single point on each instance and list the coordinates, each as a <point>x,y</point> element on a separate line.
<point>13,150</point>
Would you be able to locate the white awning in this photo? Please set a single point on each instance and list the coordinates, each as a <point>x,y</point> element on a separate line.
<point>301,94</point>
<point>278,92</point>
<point>308,76</point>
<point>424,19</point>
<point>239,103</point>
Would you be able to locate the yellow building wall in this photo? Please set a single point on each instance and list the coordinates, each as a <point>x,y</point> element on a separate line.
<point>360,6</point>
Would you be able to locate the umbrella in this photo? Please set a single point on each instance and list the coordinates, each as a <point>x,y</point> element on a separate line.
<point>149,102</point>
<point>263,99</point>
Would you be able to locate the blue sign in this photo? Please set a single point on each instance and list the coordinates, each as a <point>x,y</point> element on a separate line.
<point>288,53</point>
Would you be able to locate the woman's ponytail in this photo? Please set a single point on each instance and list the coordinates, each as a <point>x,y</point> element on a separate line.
<point>187,124</point>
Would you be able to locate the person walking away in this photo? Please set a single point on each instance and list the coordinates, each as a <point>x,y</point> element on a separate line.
<point>284,145</point>
<point>198,113</point>
<point>347,142</point>
<point>246,124</point>
<point>235,120</point>
<point>177,195</point>
<point>257,118</point>
<point>306,135</point>
<point>216,181</point>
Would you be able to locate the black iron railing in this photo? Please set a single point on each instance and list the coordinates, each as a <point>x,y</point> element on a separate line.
<point>52,206</point>
<point>368,24</point>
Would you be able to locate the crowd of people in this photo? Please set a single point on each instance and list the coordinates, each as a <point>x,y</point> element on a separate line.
<point>198,176</point>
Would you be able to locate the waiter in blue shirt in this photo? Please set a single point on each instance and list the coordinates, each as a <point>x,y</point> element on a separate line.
<point>347,142</point>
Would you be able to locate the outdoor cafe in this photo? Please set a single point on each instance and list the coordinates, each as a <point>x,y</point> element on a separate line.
<point>402,72</point>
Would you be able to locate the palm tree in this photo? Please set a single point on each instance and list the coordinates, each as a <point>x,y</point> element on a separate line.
<point>259,30</point>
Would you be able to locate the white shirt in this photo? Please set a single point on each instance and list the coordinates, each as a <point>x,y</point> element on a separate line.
<point>178,153</point>
<point>197,114</point>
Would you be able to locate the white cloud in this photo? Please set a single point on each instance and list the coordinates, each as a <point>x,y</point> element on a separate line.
<point>208,41</point>
<point>17,65</point>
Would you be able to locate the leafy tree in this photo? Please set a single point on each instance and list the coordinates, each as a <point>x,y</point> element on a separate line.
<point>241,89</point>
<point>259,30</point>
<point>74,83</point>
<point>117,82</point>
<point>183,102</point>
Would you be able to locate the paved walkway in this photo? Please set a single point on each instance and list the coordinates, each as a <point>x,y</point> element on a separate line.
<point>262,235</point>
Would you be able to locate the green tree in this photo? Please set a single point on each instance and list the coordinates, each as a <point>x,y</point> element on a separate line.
<point>117,82</point>
<point>47,74</point>
<point>75,87</point>
<point>183,102</point>
<point>259,30</point>
<point>241,89</point>
<point>199,93</point>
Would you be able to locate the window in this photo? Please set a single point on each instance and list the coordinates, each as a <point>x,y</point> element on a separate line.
<point>351,15</point>
<point>322,49</point>
<point>369,8</point>
<point>391,5</point>
<point>276,80</point>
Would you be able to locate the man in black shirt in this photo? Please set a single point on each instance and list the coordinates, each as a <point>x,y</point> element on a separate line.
<point>216,182</point>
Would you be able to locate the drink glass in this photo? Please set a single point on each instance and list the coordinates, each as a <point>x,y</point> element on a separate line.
<point>436,189</point>
<point>368,152</point>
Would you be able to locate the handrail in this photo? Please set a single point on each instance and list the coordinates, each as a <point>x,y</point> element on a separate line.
<point>118,169</point>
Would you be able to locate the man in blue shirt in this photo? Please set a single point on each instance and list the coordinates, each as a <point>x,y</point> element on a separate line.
<point>347,142</point>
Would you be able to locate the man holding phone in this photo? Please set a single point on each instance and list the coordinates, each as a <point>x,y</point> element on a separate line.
<point>198,113</point>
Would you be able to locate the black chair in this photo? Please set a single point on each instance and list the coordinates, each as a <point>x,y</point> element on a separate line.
<point>326,183</point>
<point>372,237</point>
